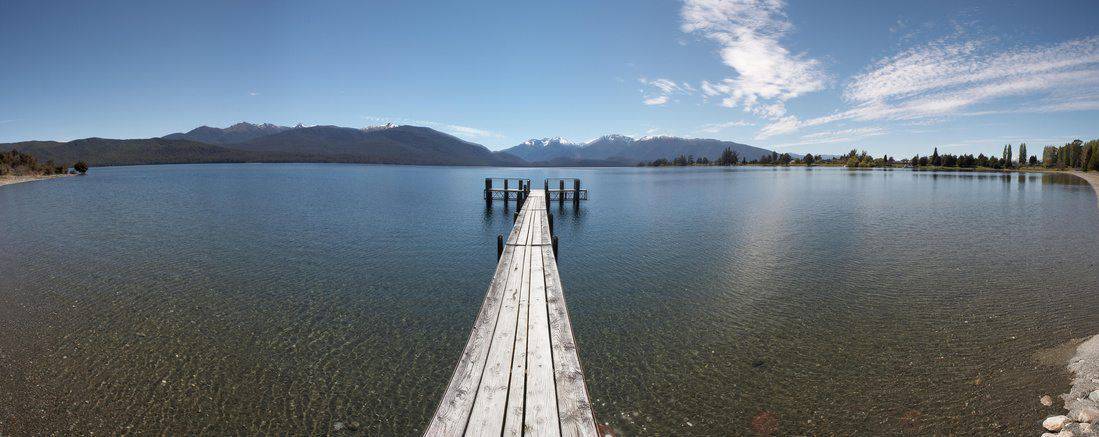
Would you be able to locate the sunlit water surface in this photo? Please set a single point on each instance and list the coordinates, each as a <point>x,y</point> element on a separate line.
<point>233,299</point>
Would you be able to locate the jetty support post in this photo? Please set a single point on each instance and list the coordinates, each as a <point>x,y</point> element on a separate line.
<point>549,217</point>
<point>576,193</point>
<point>547,196</point>
<point>519,195</point>
<point>561,194</point>
<point>488,191</point>
<point>499,246</point>
<point>555,247</point>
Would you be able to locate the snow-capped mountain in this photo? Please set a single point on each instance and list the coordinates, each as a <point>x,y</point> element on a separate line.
<point>626,149</point>
<point>544,149</point>
<point>379,127</point>
<point>236,133</point>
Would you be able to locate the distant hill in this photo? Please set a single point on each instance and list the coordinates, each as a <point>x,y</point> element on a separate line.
<point>376,145</point>
<point>388,144</point>
<point>102,151</point>
<point>233,134</point>
<point>621,148</point>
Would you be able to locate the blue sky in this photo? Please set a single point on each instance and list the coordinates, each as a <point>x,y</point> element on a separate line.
<point>799,76</point>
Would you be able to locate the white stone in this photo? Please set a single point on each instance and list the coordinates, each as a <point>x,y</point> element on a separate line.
<point>1094,396</point>
<point>1055,423</point>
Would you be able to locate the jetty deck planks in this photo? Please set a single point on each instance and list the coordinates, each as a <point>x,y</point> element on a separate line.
<point>519,373</point>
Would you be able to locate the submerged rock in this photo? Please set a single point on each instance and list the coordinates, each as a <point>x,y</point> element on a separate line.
<point>1094,396</point>
<point>1080,429</point>
<point>1085,414</point>
<point>1055,423</point>
<point>1046,400</point>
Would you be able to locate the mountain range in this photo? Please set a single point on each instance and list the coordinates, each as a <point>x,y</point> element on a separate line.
<point>625,149</point>
<point>388,144</point>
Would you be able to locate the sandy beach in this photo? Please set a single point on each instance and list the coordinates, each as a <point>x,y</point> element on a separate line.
<point>9,180</point>
<point>1092,178</point>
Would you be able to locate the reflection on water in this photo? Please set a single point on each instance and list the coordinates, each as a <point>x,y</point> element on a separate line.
<point>233,299</point>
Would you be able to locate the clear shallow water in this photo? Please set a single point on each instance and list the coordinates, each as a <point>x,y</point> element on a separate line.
<point>285,298</point>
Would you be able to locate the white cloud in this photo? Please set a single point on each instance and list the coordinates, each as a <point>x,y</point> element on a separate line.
<point>253,93</point>
<point>446,127</point>
<point>952,77</point>
<point>836,136</point>
<point>714,128</point>
<point>843,134</point>
<point>749,33</point>
<point>663,89</point>
<point>658,100</point>
<point>470,131</point>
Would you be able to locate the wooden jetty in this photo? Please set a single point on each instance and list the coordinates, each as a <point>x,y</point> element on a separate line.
<point>519,373</point>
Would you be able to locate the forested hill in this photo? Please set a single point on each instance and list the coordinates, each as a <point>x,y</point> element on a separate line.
<point>388,145</point>
<point>102,151</point>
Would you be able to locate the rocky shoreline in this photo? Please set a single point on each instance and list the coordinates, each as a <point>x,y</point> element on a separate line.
<point>1082,400</point>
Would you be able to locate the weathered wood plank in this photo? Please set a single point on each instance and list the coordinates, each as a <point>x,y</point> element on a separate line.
<point>546,236</point>
<point>573,402</point>
<point>513,421</point>
<point>541,399</point>
<point>487,416</point>
<point>453,410</point>
<point>526,216</point>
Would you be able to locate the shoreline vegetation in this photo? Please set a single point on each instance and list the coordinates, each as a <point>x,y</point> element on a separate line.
<point>1077,155</point>
<point>17,167</point>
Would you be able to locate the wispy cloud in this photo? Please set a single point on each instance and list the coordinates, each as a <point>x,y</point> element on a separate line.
<point>999,141</point>
<point>714,128</point>
<point>836,136</point>
<point>656,101</point>
<point>749,33</point>
<point>661,90</point>
<point>6,121</point>
<point>454,129</point>
<point>471,131</point>
<point>253,93</point>
<point>958,77</point>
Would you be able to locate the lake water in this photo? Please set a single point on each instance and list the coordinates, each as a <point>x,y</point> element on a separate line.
<point>234,299</point>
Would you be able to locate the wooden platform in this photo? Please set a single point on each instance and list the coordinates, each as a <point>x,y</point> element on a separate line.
<point>519,373</point>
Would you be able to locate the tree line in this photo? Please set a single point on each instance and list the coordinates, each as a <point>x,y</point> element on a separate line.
<point>729,157</point>
<point>16,163</point>
<point>1077,155</point>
